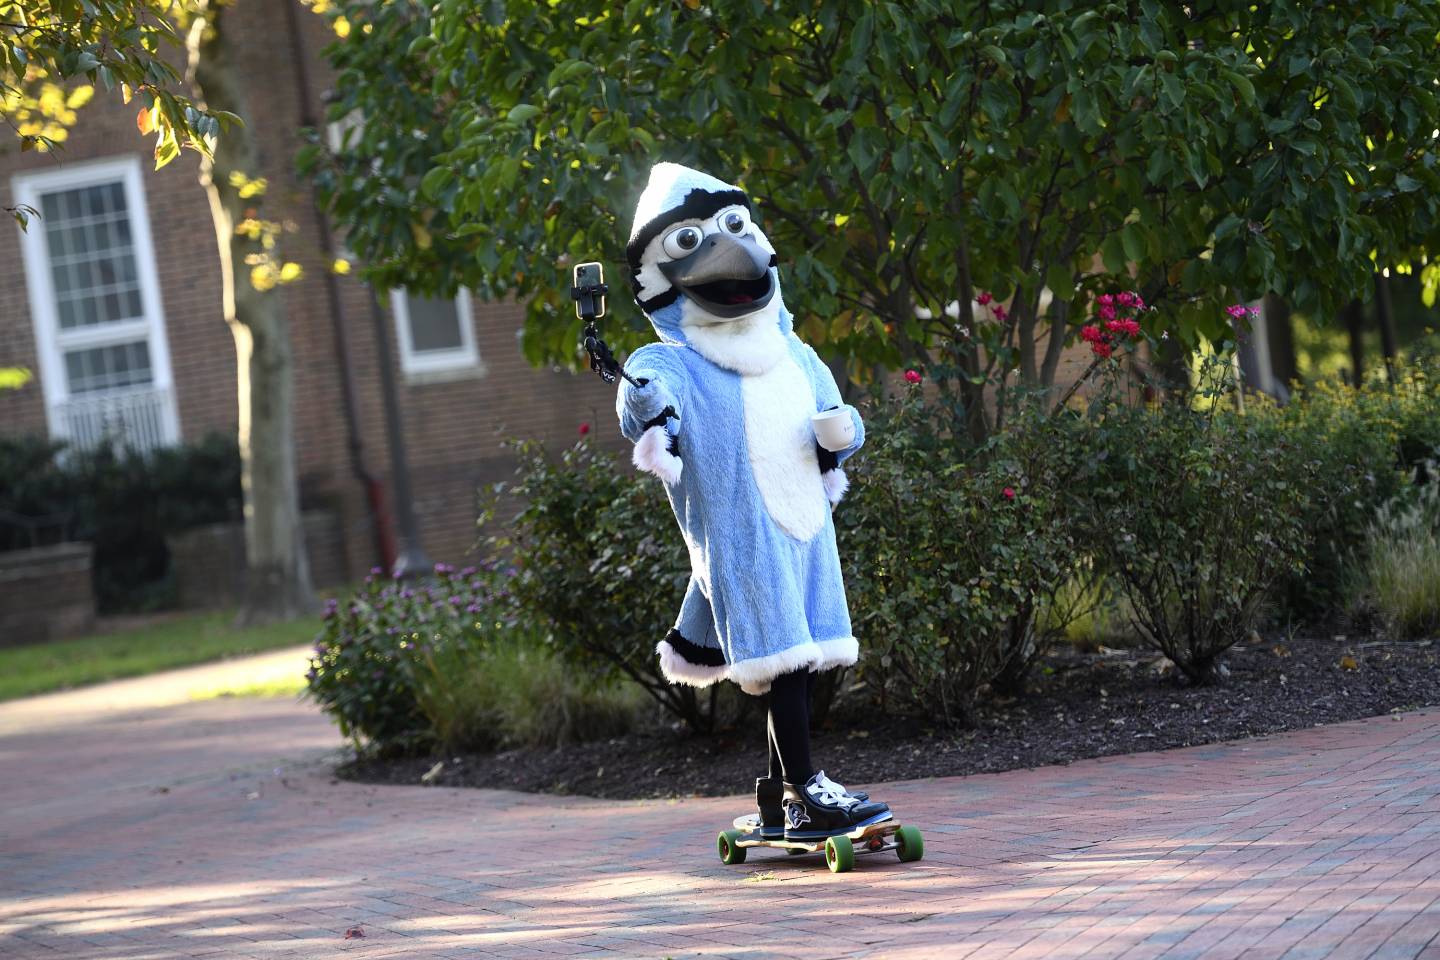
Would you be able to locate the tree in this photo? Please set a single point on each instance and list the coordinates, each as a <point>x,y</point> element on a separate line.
<point>277,572</point>
<point>904,157</point>
<point>45,44</point>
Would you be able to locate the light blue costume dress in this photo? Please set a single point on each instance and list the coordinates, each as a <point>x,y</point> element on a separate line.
<point>739,458</point>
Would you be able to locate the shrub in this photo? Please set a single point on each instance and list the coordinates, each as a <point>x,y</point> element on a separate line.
<point>1360,446</point>
<point>1195,514</point>
<point>1401,571</point>
<point>363,672</point>
<point>123,502</point>
<point>402,667</point>
<point>949,552</point>
<point>600,570</point>
<point>516,692</point>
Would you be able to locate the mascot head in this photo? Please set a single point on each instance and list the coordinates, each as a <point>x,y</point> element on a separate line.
<point>698,263</point>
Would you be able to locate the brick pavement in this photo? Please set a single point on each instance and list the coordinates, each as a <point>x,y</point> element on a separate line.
<point>214,830</point>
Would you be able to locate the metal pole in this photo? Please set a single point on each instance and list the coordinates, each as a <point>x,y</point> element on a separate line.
<point>410,558</point>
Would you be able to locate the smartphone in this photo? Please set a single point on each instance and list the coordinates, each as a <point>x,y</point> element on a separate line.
<point>589,290</point>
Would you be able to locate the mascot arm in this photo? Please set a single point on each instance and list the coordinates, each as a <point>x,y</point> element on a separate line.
<point>650,414</point>
<point>827,397</point>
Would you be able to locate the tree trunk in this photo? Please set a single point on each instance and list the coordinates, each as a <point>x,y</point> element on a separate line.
<point>277,576</point>
<point>1354,316</point>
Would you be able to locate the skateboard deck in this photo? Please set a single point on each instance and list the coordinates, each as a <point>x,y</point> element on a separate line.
<point>876,836</point>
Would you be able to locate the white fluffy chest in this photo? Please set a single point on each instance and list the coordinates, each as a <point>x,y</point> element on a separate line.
<point>781,444</point>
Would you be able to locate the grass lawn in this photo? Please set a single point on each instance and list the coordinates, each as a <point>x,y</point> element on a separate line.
<point>180,642</point>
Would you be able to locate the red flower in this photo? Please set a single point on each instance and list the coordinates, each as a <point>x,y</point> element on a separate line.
<point>1105,299</point>
<point>1102,348</point>
<point>912,376</point>
<point>1000,313</point>
<point>1106,311</point>
<point>584,429</point>
<point>984,298</point>
<point>1130,328</point>
<point>1125,298</point>
<point>1091,333</point>
<point>1008,493</point>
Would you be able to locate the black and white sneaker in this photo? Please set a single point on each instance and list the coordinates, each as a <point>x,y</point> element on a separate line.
<point>769,822</point>
<point>822,808</point>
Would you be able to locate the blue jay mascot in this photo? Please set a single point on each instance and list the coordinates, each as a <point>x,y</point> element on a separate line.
<point>723,417</point>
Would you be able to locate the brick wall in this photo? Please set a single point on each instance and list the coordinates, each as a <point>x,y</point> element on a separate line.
<point>45,594</point>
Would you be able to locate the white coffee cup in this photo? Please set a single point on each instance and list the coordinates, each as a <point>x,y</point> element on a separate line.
<point>834,429</point>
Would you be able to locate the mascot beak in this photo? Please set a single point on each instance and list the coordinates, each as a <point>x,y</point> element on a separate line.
<point>727,276</point>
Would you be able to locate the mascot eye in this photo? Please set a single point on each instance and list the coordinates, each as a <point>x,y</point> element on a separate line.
<point>735,222</point>
<point>682,242</point>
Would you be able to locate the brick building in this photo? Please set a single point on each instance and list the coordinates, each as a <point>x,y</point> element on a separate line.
<point>113,300</point>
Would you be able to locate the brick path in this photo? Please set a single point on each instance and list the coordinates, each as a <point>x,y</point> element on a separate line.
<point>213,830</point>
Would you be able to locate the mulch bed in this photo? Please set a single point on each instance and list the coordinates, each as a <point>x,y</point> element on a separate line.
<point>1080,705</point>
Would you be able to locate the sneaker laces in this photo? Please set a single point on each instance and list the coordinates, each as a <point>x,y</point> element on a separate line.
<point>828,792</point>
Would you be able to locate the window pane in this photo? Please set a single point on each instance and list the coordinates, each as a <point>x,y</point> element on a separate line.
<point>108,368</point>
<point>91,261</point>
<point>434,324</point>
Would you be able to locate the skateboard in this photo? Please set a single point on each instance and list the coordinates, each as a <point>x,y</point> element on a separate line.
<point>876,836</point>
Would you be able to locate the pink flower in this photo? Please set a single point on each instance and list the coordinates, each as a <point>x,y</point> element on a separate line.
<point>984,298</point>
<point>1000,313</point>
<point>584,429</point>
<point>1125,298</point>
<point>1130,328</point>
<point>1102,348</point>
<point>1008,493</point>
<point>1106,311</point>
<point>912,376</point>
<point>1139,303</point>
<point>1105,299</point>
<point>1236,310</point>
<point>1090,333</point>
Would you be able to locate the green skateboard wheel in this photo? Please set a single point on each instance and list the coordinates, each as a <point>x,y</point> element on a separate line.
<point>909,844</point>
<point>730,852</point>
<point>839,854</point>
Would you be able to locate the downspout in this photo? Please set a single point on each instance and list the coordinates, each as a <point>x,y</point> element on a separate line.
<point>374,489</point>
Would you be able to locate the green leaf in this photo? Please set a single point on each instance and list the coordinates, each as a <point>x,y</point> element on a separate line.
<point>436,180</point>
<point>522,112</point>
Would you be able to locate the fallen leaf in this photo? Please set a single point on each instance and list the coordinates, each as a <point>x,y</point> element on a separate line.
<point>1347,662</point>
<point>429,776</point>
<point>354,933</point>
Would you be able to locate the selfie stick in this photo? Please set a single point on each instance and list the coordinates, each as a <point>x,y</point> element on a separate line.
<point>589,304</point>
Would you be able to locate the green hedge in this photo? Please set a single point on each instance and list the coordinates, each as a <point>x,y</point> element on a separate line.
<point>125,503</point>
<point>1192,521</point>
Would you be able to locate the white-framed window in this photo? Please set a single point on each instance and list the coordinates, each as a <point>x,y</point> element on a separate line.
<point>95,304</point>
<point>435,334</point>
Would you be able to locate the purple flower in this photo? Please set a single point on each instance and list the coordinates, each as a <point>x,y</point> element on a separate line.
<point>376,571</point>
<point>468,572</point>
<point>456,601</point>
<point>473,608</point>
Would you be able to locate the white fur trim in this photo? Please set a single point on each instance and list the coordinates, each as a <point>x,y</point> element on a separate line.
<point>836,483</point>
<point>780,442</point>
<point>751,345</point>
<point>754,675</point>
<point>840,652</point>
<point>679,670</point>
<point>652,454</point>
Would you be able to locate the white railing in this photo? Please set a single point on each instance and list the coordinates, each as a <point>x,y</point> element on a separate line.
<point>143,419</point>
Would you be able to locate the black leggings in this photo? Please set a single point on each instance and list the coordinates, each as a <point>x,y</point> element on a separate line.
<point>788,720</point>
